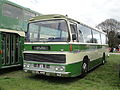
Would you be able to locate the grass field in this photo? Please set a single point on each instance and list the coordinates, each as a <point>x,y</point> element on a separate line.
<point>104,77</point>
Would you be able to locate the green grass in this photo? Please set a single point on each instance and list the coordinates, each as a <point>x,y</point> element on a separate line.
<point>104,77</point>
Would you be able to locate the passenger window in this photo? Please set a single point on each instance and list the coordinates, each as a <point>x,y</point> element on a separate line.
<point>80,34</point>
<point>96,37</point>
<point>103,39</point>
<point>87,36</point>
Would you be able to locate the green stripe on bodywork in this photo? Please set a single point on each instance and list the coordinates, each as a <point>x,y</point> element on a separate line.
<point>95,63</point>
<point>75,69</point>
<point>63,47</point>
<point>53,47</point>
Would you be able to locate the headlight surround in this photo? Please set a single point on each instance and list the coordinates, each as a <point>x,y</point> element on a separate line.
<point>56,68</point>
<point>27,65</point>
<point>60,68</point>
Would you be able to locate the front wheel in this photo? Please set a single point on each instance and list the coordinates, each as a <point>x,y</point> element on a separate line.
<point>84,68</point>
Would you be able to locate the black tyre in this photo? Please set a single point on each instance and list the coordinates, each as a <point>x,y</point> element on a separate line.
<point>85,66</point>
<point>103,59</point>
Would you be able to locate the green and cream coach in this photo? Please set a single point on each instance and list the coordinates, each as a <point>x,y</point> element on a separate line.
<point>60,46</point>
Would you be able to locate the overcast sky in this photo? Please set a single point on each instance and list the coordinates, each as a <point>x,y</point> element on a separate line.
<point>91,12</point>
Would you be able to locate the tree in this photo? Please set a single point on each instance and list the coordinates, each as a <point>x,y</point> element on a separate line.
<point>111,27</point>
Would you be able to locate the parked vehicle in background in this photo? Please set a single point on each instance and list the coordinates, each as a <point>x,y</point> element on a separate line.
<point>13,25</point>
<point>60,46</point>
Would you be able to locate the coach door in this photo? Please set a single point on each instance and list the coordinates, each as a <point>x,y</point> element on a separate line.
<point>10,48</point>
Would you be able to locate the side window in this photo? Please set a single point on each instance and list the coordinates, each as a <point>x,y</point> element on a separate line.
<point>87,36</point>
<point>103,39</point>
<point>96,37</point>
<point>80,34</point>
<point>12,11</point>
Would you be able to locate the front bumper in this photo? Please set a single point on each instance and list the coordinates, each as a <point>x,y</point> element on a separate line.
<point>48,73</point>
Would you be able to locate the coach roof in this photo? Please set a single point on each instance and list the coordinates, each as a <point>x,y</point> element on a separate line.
<point>51,16</point>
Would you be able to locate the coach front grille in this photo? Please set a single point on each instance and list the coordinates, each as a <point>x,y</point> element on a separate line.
<point>52,58</point>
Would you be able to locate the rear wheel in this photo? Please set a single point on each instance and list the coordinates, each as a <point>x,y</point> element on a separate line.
<point>103,59</point>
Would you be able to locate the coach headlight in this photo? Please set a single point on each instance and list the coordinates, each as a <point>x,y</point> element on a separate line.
<point>28,65</point>
<point>24,65</point>
<point>56,68</point>
<point>60,68</point>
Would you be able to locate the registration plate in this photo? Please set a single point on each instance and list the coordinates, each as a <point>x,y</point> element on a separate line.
<point>41,47</point>
<point>41,65</point>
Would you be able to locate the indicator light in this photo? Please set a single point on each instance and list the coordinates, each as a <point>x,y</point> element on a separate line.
<point>70,47</point>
